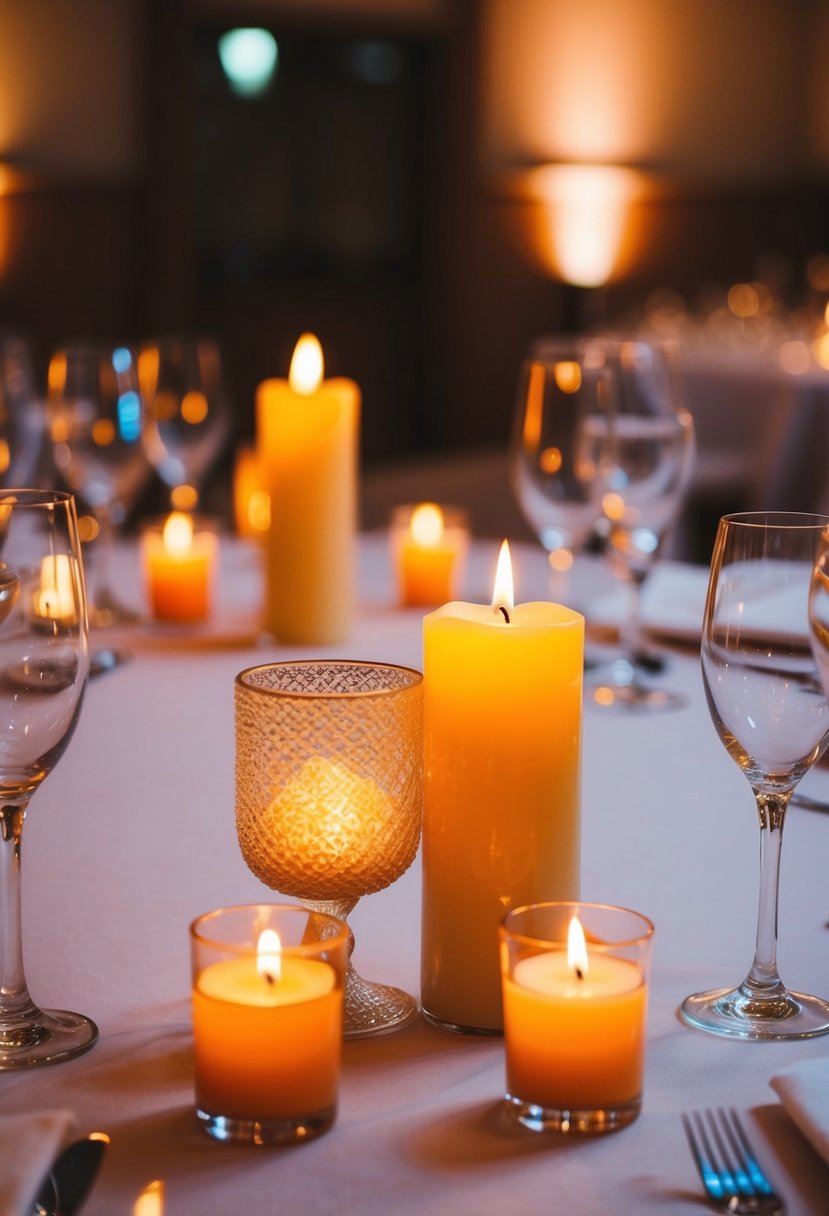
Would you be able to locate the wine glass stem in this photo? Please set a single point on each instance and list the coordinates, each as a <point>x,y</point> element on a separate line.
<point>772,810</point>
<point>630,634</point>
<point>106,546</point>
<point>13,991</point>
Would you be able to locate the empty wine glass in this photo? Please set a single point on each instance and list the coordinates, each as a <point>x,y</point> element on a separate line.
<point>22,419</point>
<point>95,419</point>
<point>187,412</point>
<point>644,451</point>
<point>44,660</point>
<point>770,712</point>
<point>553,453</point>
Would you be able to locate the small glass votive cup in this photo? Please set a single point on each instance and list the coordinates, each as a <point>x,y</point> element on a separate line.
<point>429,543</point>
<point>178,556</point>
<point>575,1015</point>
<point>267,1021</point>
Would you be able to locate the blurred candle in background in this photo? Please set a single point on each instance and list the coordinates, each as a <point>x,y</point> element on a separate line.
<point>308,433</point>
<point>428,544</point>
<point>251,506</point>
<point>179,560</point>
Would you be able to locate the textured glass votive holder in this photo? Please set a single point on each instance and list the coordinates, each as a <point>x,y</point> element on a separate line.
<point>329,787</point>
<point>575,1015</point>
<point>268,982</point>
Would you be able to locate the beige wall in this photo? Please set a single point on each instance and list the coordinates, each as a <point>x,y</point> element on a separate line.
<point>716,90</point>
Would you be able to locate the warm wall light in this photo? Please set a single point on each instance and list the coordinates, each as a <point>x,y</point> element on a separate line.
<point>586,210</point>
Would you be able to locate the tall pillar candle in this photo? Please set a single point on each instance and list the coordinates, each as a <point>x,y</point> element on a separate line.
<point>307,434</point>
<point>502,767</point>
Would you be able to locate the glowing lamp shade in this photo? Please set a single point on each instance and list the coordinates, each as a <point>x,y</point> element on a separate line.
<point>587,210</point>
<point>249,59</point>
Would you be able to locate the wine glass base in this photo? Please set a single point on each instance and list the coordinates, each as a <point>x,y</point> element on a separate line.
<point>46,1036</point>
<point>375,1008</point>
<point>734,1013</point>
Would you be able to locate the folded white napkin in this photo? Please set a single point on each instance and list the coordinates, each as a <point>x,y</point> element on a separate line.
<point>30,1144</point>
<point>803,1089</point>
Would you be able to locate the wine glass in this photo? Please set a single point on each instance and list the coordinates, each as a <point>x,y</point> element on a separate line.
<point>95,419</point>
<point>187,412</point>
<point>329,758</point>
<point>553,453</point>
<point>44,660</point>
<point>644,453</point>
<point>22,419</point>
<point>770,712</point>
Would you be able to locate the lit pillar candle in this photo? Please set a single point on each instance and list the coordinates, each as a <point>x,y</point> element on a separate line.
<point>178,569</point>
<point>502,746</point>
<point>267,1035</point>
<point>307,432</point>
<point>428,548</point>
<point>575,1018</point>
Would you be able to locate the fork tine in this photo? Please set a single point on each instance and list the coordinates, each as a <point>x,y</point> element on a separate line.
<point>758,1179</point>
<point>701,1152</point>
<point>730,1172</point>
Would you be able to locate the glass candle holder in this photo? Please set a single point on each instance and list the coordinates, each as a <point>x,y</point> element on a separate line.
<point>575,989</point>
<point>329,758</point>
<point>429,543</point>
<point>268,985</point>
<point>179,558</point>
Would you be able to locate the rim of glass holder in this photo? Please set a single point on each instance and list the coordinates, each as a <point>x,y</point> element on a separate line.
<point>243,678</point>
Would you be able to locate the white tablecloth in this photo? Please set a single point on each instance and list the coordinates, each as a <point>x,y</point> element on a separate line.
<point>133,836</point>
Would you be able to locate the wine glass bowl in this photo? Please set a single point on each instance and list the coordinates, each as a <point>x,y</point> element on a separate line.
<point>772,716</point>
<point>22,420</point>
<point>95,420</point>
<point>644,453</point>
<point>187,412</point>
<point>551,455</point>
<point>44,661</point>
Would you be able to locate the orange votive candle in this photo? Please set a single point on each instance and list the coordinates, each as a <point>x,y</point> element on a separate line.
<point>178,569</point>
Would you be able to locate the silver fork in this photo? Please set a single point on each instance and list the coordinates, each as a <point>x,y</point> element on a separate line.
<point>729,1170</point>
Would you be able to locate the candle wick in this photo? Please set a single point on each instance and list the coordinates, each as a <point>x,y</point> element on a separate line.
<point>269,978</point>
<point>579,973</point>
<point>501,608</point>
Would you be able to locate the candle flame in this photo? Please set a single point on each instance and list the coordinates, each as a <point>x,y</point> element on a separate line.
<point>427,524</point>
<point>269,955</point>
<point>150,1201</point>
<point>502,596</point>
<point>306,372</point>
<point>178,533</point>
<point>576,948</point>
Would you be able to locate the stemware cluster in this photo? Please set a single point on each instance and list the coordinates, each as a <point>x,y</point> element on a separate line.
<point>603,450</point>
<point>115,415</point>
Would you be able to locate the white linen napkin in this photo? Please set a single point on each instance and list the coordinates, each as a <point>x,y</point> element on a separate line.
<point>30,1144</point>
<point>803,1088</point>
